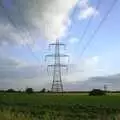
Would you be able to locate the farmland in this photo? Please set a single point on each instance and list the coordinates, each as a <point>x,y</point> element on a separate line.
<point>22,106</point>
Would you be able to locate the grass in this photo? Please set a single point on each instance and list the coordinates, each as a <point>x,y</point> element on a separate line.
<point>58,107</point>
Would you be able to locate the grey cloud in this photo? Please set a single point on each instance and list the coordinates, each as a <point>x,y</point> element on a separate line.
<point>47,19</point>
<point>12,69</point>
<point>14,73</point>
<point>33,19</point>
<point>112,82</point>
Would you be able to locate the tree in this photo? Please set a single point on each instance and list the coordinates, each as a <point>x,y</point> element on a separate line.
<point>11,90</point>
<point>29,90</point>
<point>97,92</point>
<point>2,91</point>
<point>43,90</point>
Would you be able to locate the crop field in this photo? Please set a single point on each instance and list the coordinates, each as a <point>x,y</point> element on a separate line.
<point>22,106</point>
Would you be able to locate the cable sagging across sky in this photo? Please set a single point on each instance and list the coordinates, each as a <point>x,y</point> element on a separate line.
<point>89,22</point>
<point>99,26</point>
<point>15,26</point>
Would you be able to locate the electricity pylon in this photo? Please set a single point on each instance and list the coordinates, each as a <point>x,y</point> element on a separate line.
<point>57,85</point>
<point>105,87</point>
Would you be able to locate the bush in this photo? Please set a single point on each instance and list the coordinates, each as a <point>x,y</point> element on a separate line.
<point>10,90</point>
<point>43,90</point>
<point>2,91</point>
<point>29,90</point>
<point>97,92</point>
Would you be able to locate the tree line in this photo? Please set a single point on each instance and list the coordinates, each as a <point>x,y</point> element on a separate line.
<point>27,90</point>
<point>94,92</point>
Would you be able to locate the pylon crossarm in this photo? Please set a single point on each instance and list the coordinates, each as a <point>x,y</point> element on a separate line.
<point>50,55</point>
<point>59,44</point>
<point>57,65</point>
<point>54,55</point>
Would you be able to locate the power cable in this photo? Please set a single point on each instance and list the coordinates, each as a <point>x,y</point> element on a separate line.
<point>99,26</point>
<point>72,15</point>
<point>72,19</point>
<point>12,22</point>
<point>89,22</point>
<point>29,33</point>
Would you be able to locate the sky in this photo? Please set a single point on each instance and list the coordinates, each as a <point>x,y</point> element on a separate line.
<point>27,27</point>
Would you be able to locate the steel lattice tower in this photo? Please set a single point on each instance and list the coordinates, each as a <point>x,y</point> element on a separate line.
<point>57,85</point>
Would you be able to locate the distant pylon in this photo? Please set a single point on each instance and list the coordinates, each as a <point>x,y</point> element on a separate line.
<point>105,87</point>
<point>57,85</point>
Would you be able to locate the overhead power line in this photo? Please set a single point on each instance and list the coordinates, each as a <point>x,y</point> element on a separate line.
<point>72,15</point>
<point>89,22</point>
<point>12,22</point>
<point>72,19</point>
<point>29,33</point>
<point>99,26</point>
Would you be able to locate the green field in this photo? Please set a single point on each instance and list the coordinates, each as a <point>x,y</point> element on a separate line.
<point>21,106</point>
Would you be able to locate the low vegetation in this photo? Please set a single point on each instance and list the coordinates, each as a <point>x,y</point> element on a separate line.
<point>49,106</point>
<point>97,92</point>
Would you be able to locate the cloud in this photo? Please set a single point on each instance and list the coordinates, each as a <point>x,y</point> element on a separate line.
<point>84,69</point>
<point>15,73</point>
<point>30,20</point>
<point>11,36</point>
<point>73,40</point>
<point>111,81</point>
<point>86,10</point>
<point>21,74</point>
<point>34,19</point>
